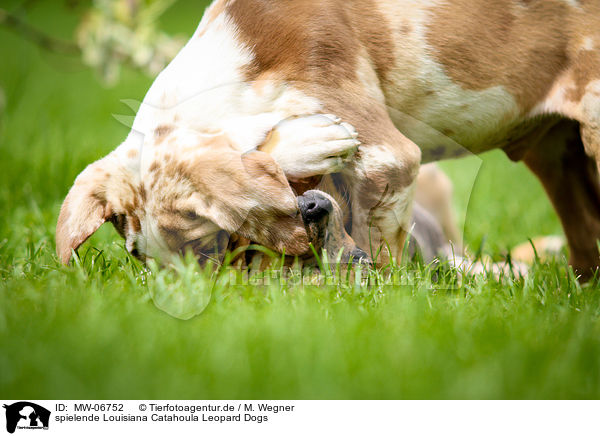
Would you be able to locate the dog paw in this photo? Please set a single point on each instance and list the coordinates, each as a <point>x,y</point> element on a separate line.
<point>312,145</point>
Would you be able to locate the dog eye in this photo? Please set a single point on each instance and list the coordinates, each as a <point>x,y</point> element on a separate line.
<point>190,215</point>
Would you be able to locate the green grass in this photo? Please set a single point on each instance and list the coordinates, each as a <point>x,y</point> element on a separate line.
<point>92,331</point>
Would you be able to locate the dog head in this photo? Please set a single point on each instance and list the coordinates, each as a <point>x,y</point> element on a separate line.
<point>194,192</point>
<point>191,192</point>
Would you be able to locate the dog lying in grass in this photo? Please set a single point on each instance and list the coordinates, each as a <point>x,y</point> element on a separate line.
<point>219,148</point>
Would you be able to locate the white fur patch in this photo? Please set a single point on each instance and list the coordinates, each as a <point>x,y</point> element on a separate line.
<point>558,102</point>
<point>588,43</point>
<point>150,242</point>
<point>573,3</point>
<point>400,215</point>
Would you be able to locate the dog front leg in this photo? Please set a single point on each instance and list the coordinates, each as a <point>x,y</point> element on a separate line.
<point>380,178</point>
<point>382,185</point>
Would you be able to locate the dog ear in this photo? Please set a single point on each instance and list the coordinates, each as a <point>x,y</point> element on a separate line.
<point>261,167</point>
<point>84,210</point>
<point>249,196</point>
<point>276,222</point>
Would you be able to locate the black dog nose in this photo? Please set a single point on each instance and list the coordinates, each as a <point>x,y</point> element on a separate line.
<point>314,206</point>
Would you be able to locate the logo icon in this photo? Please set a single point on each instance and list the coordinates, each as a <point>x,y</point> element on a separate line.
<point>26,415</point>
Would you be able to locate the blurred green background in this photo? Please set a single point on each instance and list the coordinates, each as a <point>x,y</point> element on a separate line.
<point>91,331</point>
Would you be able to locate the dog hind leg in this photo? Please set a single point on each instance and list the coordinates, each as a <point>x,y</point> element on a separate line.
<point>570,177</point>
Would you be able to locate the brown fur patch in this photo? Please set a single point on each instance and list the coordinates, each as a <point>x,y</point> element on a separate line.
<point>374,34</point>
<point>135,224</point>
<point>301,40</point>
<point>119,221</point>
<point>161,132</point>
<point>313,40</point>
<point>301,186</point>
<point>503,42</point>
<point>154,166</point>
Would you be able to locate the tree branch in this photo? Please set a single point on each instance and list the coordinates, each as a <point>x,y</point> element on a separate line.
<point>43,40</point>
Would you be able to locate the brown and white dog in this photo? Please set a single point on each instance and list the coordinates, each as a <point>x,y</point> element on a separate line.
<point>418,80</point>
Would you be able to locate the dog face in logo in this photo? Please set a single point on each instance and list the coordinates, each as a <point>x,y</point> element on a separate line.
<point>26,414</point>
